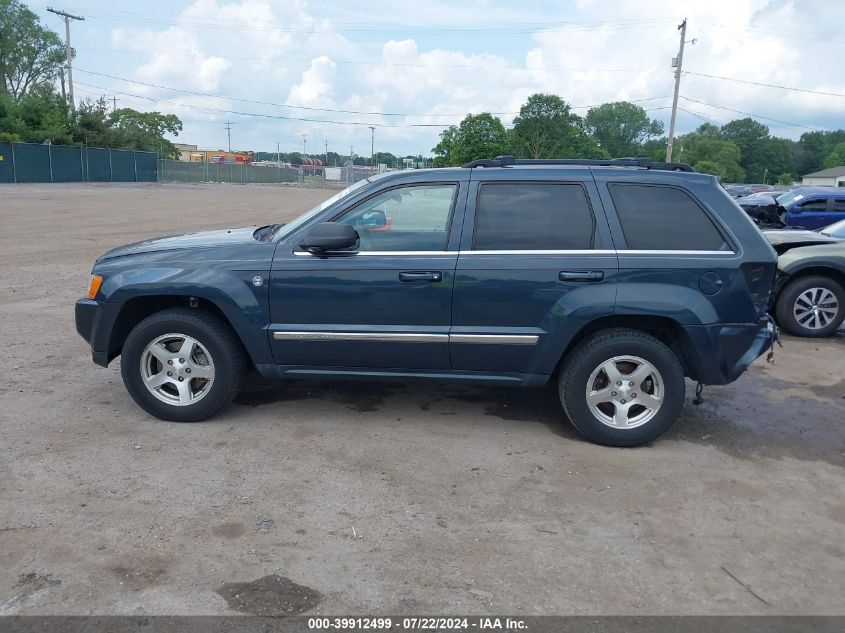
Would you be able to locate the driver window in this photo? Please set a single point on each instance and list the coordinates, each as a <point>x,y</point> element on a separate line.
<point>414,218</point>
<point>814,205</point>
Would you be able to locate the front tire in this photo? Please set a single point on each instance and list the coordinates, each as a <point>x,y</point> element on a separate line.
<point>811,306</point>
<point>182,364</point>
<point>622,387</point>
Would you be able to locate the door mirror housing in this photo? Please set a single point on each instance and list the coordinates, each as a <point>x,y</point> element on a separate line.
<point>329,236</point>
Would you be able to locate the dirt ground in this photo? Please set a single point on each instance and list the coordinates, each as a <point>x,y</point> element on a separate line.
<point>383,498</point>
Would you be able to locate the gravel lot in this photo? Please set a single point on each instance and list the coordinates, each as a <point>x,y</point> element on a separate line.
<point>383,498</point>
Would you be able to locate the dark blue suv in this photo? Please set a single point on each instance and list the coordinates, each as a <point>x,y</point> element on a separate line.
<point>616,279</point>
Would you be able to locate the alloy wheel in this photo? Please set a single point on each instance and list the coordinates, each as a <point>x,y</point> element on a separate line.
<point>625,392</point>
<point>177,369</point>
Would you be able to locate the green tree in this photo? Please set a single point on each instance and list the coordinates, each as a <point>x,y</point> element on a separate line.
<point>41,115</point>
<point>546,128</point>
<point>30,54</point>
<point>786,178</point>
<point>621,128</point>
<point>763,156</point>
<point>92,124</point>
<point>708,153</point>
<point>145,131</point>
<point>836,157</point>
<point>477,136</point>
<point>813,147</point>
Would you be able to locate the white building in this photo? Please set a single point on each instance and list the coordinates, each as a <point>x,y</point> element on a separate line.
<point>833,177</point>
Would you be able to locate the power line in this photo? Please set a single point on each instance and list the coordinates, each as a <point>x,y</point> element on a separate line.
<point>337,111</point>
<point>312,109</point>
<point>317,27</point>
<point>755,116</point>
<point>380,62</point>
<point>265,116</point>
<point>758,83</point>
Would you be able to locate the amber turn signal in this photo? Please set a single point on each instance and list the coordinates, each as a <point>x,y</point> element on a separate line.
<point>94,286</point>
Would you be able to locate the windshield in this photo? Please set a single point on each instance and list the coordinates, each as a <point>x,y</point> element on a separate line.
<point>789,197</point>
<point>837,229</point>
<point>294,224</point>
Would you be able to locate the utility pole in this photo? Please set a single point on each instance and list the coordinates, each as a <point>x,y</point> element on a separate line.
<point>327,153</point>
<point>68,17</point>
<point>372,146</point>
<point>114,101</point>
<point>228,127</point>
<point>683,28</point>
<point>278,160</point>
<point>304,145</point>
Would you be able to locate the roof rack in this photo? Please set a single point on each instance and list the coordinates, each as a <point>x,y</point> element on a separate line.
<point>642,162</point>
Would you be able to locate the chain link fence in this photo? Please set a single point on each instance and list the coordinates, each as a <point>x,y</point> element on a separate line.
<point>31,162</point>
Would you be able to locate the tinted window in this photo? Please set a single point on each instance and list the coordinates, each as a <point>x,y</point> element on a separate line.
<point>403,219</point>
<point>664,218</point>
<point>814,205</point>
<point>839,204</point>
<point>532,216</point>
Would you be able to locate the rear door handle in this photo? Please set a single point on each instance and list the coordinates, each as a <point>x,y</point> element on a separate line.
<point>420,275</point>
<point>580,275</point>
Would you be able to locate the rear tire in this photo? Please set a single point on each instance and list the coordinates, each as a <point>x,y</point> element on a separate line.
<point>622,387</point>
<point>795,306</point>
<point>182,364</point>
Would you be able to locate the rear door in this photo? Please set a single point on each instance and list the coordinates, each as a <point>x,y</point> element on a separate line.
<point>536,264</point>
<point>386,303</point>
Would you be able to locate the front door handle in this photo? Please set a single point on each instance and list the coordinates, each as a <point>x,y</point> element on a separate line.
<point>580,275</point>
<point>420,275</point>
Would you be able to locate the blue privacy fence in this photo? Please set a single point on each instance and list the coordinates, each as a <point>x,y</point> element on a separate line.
<point>32,162</point>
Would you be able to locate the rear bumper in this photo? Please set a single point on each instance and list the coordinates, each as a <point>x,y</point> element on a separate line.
<point>725,351</point>
<point>94,322</point>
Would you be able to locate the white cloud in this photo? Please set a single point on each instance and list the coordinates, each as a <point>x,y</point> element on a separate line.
<point>284,52</point>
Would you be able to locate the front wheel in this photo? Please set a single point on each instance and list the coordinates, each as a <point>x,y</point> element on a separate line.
<point>182,364</point>
<point>811,306</point>
<point>622,387</point>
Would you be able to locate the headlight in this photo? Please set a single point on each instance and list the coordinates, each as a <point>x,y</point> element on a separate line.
<point>94,285</point>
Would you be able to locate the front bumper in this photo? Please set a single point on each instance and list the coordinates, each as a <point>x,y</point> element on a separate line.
<point>94,323</point>
<point>725,351</point>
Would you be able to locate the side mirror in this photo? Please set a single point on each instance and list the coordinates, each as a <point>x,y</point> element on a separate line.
<point>329,236</point>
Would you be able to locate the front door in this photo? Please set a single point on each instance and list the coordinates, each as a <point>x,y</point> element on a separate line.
<point>536,264</point>
<point>387,302</point>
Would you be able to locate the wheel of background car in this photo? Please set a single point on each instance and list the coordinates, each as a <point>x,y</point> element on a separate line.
<point>811,306</point>
<point>622,387</point>
<point>182,364</point>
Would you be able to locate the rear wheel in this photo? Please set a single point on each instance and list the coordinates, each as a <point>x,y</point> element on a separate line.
<point>182,364</point>
<point>622,387</point>
<point>811,306</point>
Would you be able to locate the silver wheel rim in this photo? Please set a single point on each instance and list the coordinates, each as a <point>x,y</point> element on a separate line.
<point>625,392</point>
<point>815,308</point>
<point>177,369</point>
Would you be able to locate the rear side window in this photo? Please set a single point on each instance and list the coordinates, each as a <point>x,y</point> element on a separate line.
<point>655,217</point>
<point>533,216</point>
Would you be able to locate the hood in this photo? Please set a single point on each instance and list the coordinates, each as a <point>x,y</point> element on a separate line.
<point>203,239</point>
<point>832,254</point>
<point>787,239</point>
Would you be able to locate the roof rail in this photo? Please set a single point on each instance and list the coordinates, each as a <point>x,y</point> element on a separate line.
<point>642,162</point>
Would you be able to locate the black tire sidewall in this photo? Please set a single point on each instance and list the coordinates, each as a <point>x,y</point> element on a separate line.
<point>595,351</point>
<point>786,302</point>
<point>207,330</point>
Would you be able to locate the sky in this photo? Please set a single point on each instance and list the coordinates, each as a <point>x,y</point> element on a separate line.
<point>281,70</point>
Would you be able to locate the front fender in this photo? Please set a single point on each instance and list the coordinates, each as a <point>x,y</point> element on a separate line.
<point>243,304</point>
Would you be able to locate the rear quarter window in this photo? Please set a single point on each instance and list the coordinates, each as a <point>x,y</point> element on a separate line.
<point>660,217</point>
